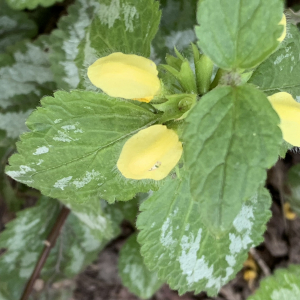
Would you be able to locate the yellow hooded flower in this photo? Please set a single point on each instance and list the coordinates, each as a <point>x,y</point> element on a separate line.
<point>282,22</point>
<point>127,76</point>
<point>288,110</point>
<point>150,154</point>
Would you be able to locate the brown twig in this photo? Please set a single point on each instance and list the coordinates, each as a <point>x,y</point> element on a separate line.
<point>264,267</point>
<point>49,243</point>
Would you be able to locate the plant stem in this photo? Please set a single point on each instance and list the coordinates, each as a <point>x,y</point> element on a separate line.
<point>49,243</point>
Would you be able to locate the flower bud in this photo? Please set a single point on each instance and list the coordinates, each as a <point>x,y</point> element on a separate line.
<point>150,154</point>
<point>126,76</point>
<point>288,110</point>
<point>282,22</point>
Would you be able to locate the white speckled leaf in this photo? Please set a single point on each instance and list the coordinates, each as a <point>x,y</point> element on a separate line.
<point>177,244</point>
<point>231,138</point>
<point>66,39</point>
<point>176,28</point>
<point>239,33</point>
<point>14,123</point>
<point>23,238</point>
<point>25,75</point>
<point>133,272</point>
<point>126,26</point>
<point>280,72</point>
<point>283,285</point>
<point>74,144</point>
<point>14,26</point>
<point>30,4</point>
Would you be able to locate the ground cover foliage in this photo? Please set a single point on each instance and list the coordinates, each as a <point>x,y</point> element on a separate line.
<point>61,137</point>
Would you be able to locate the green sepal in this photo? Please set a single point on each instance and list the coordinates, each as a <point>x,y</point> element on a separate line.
<point>174,62</point>
<point>217,78</point>
<point>204,69</point>
<point>196,53</point>
<point>176,107</point>
<point>246,76</point>
<point>185,76</point>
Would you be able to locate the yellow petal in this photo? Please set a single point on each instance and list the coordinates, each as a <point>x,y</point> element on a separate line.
<point>288,213</point>
<point>282,22</point>
<point>127,76</point>
<point>288,110</point>
<point>150,154</point>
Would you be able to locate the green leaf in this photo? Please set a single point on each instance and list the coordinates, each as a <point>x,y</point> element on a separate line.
<point>280,72</point>
<point>231,138</point>
<point>14,26</point>
<point>283,285</point>
<point>91,212</point>
<point>25,76</point>
<point>284,148</point>
<point>75,248</point>
<point>293,184</point>
<point>177,244</point>
<point>239,33</point>
<point>133,272</point>
<point>24,239</point>
<point>74,145</point>
<point>30,4</point>
<point>176,28</point>
<point>124,26</point>
<point>65,42</point>
<point>13,123</point>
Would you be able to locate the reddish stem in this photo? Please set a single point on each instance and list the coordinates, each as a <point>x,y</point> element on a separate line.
<point>49,243</point>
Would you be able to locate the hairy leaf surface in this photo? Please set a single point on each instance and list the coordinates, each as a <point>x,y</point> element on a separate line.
<point>239,33</point>
<point>283,285</point>
<point>133,272</point>
<point>126,26</point>
<point>280,72</point>
<point>179,245</point>
<point>231,138</point>
<point>74,144</point>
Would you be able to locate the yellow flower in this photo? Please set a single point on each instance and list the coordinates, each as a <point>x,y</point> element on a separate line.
<point>150,154</point>
<point>282,22</point>
<point>126,76</point>
<point>288,110</point>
